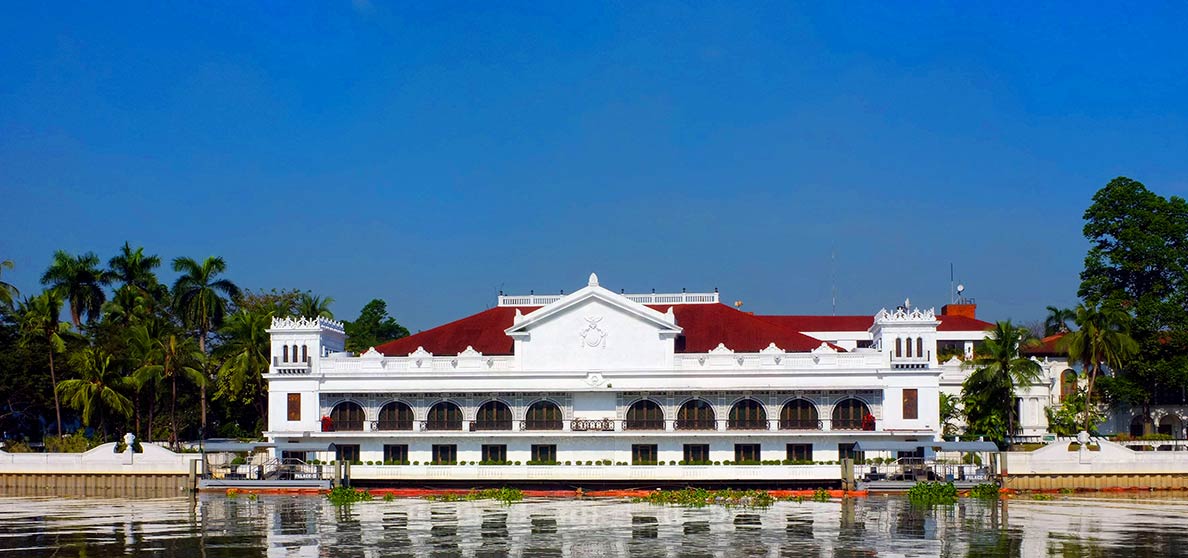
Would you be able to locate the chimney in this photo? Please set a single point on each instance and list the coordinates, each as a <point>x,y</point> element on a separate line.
<point>968,310</point>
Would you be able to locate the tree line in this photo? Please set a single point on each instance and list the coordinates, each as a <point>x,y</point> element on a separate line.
<point>167,362</point>
<point>1128,336</point>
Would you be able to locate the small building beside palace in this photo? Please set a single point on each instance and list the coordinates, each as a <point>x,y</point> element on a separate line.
<point>615,378</point>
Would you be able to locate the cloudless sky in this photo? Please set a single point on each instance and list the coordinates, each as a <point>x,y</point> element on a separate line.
<point>431,154</point>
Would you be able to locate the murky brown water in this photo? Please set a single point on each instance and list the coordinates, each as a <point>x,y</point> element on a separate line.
<point>212,526</point>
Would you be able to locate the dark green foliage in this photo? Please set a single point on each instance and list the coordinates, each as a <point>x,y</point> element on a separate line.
<point>505,495</point>
<point>1138,262</point>
<point>373,327</point>
<point>700,497</point>
<point>341,496</point>
<point>987,396</point>
<point>987,490</point>
<point>933,493</point>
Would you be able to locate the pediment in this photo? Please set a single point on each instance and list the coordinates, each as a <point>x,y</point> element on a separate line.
<point>596,302</point>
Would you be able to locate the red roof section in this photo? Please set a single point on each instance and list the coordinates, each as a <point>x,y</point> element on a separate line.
<point>962,323</point>
<point>707,325</point>
<point>483,331</point>
<point>704,327</point>
<point>1046,346</point>
<point>863,323</point>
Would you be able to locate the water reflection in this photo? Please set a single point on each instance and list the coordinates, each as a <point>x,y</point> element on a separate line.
<point>213,526</point>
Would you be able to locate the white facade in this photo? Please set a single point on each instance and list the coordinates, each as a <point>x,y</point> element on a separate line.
<point>595,355</point>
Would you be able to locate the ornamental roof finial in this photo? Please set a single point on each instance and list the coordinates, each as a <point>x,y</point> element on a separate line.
<point>593,279</point>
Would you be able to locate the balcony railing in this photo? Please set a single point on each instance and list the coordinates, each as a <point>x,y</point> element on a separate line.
<point>800,424</point>
<point>852,424</point>
<point>291,366</point>
<point>643,425</point>
<point>592,425</point>
<point>542,425</point>
<point>395,425</point>
<point>748,424</point>
<point>441,425</point>
<point>484,425</point>
<point>696,424</point>
<point>342,426</point>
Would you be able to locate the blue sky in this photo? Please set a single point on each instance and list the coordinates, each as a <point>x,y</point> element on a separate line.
<point>433,154</point>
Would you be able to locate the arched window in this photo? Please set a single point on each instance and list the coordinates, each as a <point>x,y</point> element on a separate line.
<point>696,414</point>
<point>645,415</point>
<point>1169,425</point>
<point>920,347</point>
<point>898,347</point>
<point>543,415</point>
<point>347,417</point>
<point>395,416</point>
<point>493,415</point>
<point>444,416</point>
<point>284,353</point>
<point>305,353</point>
<point>799,414</point>
<point>747,414</point>
<point>851,414</point>
<point>909,347</point>
<point>1068,384</point>
<point>1141,426</point>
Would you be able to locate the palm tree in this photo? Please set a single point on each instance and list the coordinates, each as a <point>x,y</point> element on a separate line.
<point>39,321</point>
<point>999,368</point>
<point>8,292</point>
<point>172,356</point>
<point>201,301</point>
<point>99,391</point>
<point>131,268</point>
<point>245,359</point>
<point>80,281</point>
<point>1057,320</point>
<point>1102,338</point>
<point>312,306</point>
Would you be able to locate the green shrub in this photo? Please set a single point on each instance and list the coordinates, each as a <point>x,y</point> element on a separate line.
<point>13,446</point>
<point>505,495</point>
<point>238,460</point>
<point>987,490</point>
<point>700,497</point>
<point>932,493</point>
<point>342,495</point>
<point>74,443</point>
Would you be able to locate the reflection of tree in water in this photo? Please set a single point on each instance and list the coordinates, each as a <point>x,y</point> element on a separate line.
<point>991,536</point>
<point>1154,540</point>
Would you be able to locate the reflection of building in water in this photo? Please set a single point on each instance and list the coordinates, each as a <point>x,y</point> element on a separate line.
<point>599,376</point>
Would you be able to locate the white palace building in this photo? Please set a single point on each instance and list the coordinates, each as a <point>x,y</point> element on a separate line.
<point>599,384</point>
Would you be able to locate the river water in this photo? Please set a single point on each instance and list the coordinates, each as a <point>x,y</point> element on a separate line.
<point>215,525</point>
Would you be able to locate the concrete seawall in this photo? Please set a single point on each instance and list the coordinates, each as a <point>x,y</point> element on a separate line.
<point>99,472</point>
<point>1110,466</point>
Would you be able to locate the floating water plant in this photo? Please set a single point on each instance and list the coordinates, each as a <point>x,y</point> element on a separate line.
<point>933,493</point>
<point>986,490</point>
<point>342,495</point>
<point>505,495</point>
<point>700,497</point>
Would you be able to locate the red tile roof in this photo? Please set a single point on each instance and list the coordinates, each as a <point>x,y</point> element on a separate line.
<point>863,323</point>
<point>704,327</point>
<point>483,331</point>
<point>707,325</point>
<point>1047,346</point>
